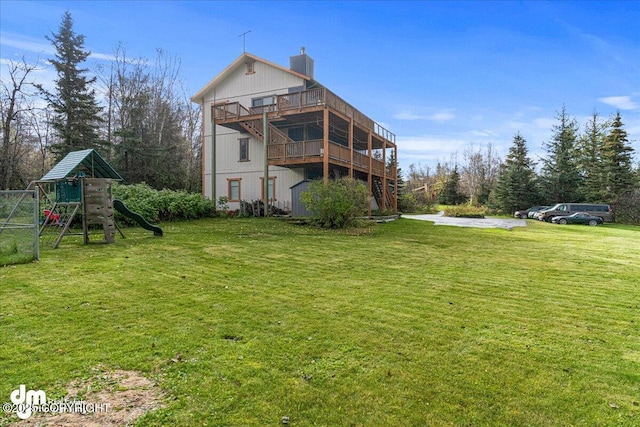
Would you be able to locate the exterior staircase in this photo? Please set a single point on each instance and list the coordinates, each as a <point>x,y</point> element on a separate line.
<point>256,128</point>
<point>376,189</point>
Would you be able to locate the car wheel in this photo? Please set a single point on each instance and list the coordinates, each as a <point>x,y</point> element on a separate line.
<point>593,222</point>
<point>523,216</point>
<point>562,221</point>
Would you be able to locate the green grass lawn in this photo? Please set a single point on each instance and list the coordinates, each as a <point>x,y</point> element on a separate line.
<point>408,324</point>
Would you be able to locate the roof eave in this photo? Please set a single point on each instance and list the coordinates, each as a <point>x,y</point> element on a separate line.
<point>198,98</point>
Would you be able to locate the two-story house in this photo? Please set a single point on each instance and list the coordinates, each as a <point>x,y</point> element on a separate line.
<point>310,133</point>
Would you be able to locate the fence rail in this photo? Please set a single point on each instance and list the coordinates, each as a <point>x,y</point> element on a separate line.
<point>19,226</point>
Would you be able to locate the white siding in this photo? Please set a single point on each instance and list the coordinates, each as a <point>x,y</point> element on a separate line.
<point>242,87</point>
<point>265,81</point>
<point>250,185</point>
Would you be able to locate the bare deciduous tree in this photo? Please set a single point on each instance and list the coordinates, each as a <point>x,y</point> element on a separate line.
<point>479,173</point>
<point>16,111</point>
<point>152,126</point>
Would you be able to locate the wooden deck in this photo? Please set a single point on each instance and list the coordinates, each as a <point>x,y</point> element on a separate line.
<point>346,138</point>
<point>296,103</point>
<point>292,153</point>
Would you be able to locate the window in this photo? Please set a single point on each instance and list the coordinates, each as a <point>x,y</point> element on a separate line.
<point>272,185</point>
<point>263,103</point>
<point>244,150</point>
<point>233,190</point>
<point>250,66</point>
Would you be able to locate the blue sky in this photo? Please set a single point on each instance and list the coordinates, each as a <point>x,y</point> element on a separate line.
<point>444,76</point>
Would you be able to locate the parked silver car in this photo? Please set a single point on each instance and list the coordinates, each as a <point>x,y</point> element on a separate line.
<point>528,213</point>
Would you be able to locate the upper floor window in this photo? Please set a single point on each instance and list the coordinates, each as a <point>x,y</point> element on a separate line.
<point>250,66</point>
<point>264,102</point>
<point>244,150</point>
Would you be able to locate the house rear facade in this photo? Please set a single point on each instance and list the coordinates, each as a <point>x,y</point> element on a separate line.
<point>255,108</point>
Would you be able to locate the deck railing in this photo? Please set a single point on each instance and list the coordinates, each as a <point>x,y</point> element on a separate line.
<point>313,150</point>
<point>300,100</point>
<point>360,159</point>
<point>229,111</point>
<point>295,150</point>
<point>339,153</point>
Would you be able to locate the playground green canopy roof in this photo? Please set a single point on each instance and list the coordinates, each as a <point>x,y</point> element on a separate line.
<point>88,162</point>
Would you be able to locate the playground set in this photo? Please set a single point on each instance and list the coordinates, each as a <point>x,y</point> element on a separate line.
<point>81,186</point>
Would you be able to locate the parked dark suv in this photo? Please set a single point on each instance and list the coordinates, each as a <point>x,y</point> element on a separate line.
<point>601,210</point>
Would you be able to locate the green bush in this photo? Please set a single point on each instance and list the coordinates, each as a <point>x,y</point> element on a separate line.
<point>162,205</point>
<point>465,211</point>
<point>336,203</point>
<point>414,202</point>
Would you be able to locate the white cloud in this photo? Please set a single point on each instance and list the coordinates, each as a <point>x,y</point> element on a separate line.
<point>483,133</point>
<point>428,149</point>
<point>104,56</point>
<point>40,46</point>
<point>429,143</point>
<point>441,116</point>
<point>620,102</point>
<point>406,115</point>
<point>26,44</point>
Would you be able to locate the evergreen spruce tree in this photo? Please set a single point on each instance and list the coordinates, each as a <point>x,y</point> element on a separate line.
<point>590,164</point>
<point>561,176</point>
<point>616,157</point>
<point>517,183</point>
<point>399,179</point>
<point>76,112</point>
<point>451,194</point>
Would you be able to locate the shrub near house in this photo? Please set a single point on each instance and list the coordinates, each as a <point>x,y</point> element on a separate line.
<point>336,203</point>
<point>163,205</point>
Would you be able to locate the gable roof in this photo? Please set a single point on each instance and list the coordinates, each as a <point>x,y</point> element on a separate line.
<point>240,61</point>
<point>88,161</point>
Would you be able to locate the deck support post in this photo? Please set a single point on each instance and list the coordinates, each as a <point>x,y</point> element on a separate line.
<point>325,145</point>
<point>369,177</point>
<point>385,184</point>
<point>350,148</point>
<point>265,181</point>
<point>213,157</point>
<point>395,178</point>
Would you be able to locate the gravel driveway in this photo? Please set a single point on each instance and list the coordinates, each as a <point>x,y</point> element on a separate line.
<point>440,219</point>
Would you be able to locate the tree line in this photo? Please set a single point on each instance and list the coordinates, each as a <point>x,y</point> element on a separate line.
<point>134,112</point>
<point>594,166</point>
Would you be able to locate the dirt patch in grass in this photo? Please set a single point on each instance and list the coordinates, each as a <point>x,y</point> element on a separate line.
<point>126,395</point>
